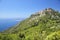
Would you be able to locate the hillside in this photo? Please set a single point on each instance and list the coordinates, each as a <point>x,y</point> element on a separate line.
<point>43,25</point>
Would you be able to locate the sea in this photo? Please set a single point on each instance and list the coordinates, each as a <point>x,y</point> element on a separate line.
<point>7,23</point>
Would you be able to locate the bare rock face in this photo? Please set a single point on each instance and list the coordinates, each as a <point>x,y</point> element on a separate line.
<point>47,11</point>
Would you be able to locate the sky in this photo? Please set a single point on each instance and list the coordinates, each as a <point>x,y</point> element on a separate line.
<point>24,8</point>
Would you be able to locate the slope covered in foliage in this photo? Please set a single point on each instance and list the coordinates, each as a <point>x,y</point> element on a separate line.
<point>43,25</point>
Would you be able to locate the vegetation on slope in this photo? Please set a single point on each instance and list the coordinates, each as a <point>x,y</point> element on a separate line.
<point>44,25</point>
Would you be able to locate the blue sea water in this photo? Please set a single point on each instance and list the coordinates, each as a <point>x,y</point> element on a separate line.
<point>6,23</point>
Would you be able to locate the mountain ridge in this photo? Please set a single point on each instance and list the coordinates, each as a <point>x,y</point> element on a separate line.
<point>43,25</point>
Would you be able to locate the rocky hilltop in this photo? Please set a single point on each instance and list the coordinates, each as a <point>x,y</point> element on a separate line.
<point>43,25</point>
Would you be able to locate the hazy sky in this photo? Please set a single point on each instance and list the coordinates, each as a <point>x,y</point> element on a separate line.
<point>24,8</point>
